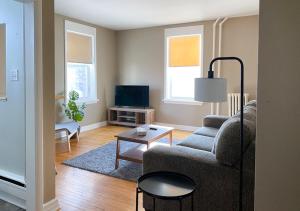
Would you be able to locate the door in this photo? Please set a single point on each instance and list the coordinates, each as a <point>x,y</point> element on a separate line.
<point>12,109</point>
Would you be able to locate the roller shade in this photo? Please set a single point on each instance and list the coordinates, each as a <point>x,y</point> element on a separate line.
<point>79,48</point>
<point>2,61</point>
<point>184,51</point>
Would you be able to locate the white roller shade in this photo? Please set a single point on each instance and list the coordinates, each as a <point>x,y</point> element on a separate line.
<point>79,48</point>
<point>184,51</point>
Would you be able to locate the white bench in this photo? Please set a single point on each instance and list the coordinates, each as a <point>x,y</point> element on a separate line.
<point>70,129</point>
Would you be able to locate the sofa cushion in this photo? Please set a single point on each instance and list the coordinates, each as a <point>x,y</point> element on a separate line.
<point>227,140</point>
<point>214,121</point>
<point>251,103</point>
<point>198,142</point>
<point>207,131</point>
<point>249,114</point>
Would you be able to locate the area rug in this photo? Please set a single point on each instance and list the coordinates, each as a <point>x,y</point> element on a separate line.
<point>102,161</point>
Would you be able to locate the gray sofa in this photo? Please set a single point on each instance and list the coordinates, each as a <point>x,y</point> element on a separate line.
<point>210,156</point>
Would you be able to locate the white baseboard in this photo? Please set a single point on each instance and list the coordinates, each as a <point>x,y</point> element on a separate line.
<point>52,205</point>
<point>179,127</point>
<point>93,126</point>
<point>104,123</point>
<point>12,193</point>
<point>12,176</point>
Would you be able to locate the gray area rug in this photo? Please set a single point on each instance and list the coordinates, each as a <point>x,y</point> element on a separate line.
<point>102,160</point>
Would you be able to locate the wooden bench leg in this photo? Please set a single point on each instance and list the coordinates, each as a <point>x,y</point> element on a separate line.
<point>77,136</point>
<point>69,145</point>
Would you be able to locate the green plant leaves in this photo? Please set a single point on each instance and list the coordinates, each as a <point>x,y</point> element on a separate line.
<point>74,111</point>
<point>73,95</point>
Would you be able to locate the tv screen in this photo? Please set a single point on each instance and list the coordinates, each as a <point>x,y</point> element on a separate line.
<point>134,96</point>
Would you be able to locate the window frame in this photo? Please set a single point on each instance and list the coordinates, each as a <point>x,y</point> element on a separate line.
<point>3,81</point>
<point>93,84</point>
<point>181,31</point>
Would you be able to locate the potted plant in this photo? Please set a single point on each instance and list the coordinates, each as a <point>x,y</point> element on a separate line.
<point>73,110</point>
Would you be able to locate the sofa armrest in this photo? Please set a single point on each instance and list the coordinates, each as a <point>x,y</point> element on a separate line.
<point>214,121</point>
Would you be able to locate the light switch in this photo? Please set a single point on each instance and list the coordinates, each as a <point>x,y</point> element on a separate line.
<point>14,75</point>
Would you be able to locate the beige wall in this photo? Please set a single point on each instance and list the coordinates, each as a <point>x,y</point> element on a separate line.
<point>45,92</point>
<point>141,61</point>
<point>106,70</point>
<point>277,185</point>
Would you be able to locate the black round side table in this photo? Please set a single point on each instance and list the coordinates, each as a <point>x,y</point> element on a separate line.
<point>167,186</point>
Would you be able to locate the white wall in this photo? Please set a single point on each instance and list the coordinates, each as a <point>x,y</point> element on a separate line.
<point>12,112</point>
<point>277,185</point>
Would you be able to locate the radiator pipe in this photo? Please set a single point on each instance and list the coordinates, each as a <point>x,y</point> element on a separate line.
<point>212,107</point>
<point>219,55</point>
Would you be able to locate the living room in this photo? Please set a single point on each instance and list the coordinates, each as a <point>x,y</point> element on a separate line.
<point>158,105</point>
<point>139,57</point>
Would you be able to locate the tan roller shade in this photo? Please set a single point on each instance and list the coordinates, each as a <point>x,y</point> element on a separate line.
<point>79,48</point>
<point>2,61</point>
<point>184,51</point>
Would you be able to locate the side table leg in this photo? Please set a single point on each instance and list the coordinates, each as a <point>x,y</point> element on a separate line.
<point>192,202</point>
<point>137,200</point>
<point>117,154</point>
<point>153,204</point>
<point>180,203</point>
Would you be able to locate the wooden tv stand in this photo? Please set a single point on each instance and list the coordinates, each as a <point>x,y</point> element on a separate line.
<point>131,117</point>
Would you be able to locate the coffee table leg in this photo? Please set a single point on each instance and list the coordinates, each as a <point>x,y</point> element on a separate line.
<point>117,154</point>
<point>171,138</point>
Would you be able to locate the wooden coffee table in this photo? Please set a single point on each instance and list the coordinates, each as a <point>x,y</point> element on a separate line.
<point>135,154</point>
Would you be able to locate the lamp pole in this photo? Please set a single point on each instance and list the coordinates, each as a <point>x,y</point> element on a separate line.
<point>211,75</point>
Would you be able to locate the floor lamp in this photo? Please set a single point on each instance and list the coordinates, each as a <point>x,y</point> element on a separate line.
<point>212,89</point>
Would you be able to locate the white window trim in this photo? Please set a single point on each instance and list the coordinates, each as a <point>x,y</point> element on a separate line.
<point>181,31</point>
<point>181,102</point>
<point>87,31</point>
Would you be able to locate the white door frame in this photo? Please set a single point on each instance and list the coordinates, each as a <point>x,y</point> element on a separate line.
<point>34,137</point>
<point>33,194</point>
<point>30,197</point>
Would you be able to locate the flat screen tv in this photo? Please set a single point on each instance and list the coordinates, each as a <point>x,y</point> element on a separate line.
<point>132,96</point>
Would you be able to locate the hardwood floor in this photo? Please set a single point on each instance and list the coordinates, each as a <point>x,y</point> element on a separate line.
<point>5,206</point>
<point>86,191</point>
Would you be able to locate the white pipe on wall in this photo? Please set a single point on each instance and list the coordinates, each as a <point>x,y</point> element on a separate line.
<point>212,107</point>
<point>220,54</point>
<point>220,45</point>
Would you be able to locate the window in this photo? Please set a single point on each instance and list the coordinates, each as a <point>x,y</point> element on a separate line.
<point>80,61</point>
<point>183,60</point>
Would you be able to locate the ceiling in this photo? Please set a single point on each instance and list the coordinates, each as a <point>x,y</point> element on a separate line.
<point>131,14</point>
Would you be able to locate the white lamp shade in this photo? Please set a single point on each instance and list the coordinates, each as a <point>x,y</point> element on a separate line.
<point>210,89</point>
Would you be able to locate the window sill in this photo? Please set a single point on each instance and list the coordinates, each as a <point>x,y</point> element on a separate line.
<point>3,99</point>
<point>182,102</point>
<point>89,101</point>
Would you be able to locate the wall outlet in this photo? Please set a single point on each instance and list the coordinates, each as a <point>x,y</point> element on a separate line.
<point>14,75</point>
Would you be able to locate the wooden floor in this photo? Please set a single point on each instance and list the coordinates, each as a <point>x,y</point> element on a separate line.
<point>5,206</point>
<point>86,191</point>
